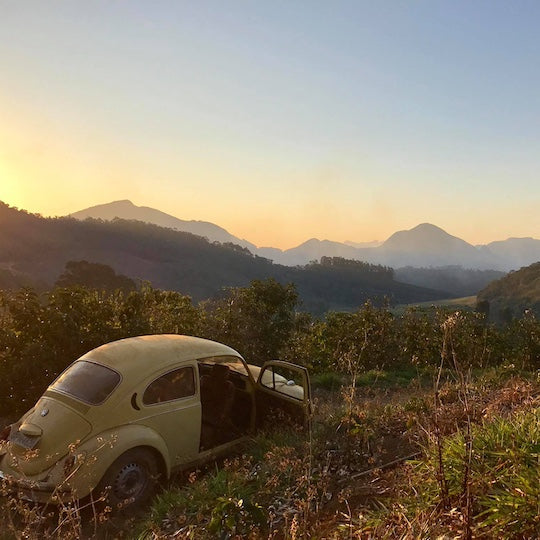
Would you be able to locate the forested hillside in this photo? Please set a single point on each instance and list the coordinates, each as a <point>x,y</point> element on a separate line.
<point>513,294</point>
<point>36,249</point>
<point>127,210</point>
<point>456,280</point>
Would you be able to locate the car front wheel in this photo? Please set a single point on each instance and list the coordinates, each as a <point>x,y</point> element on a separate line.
<point>130,481</point>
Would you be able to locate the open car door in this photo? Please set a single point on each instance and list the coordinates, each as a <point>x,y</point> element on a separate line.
<point>283,393</point>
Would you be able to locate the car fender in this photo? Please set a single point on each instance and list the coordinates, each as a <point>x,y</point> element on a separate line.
<point>91,459</point>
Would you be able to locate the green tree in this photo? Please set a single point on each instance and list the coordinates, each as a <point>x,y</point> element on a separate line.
<point>153,311</point>
<point>420,337</point>
<point>522,340</point>
<point>305,345</point>
<point>94,276</point>
<point>43,334</point>
<point>365,337</point>
<point>257,320</point>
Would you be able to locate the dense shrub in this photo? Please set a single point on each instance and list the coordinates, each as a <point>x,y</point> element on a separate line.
<point>257,320</point>
<point>40,334</point>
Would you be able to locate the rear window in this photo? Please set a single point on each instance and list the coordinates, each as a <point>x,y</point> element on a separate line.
<point>88,382</point>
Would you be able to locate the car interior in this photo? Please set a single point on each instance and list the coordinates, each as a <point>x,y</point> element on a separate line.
<point>226,401</point>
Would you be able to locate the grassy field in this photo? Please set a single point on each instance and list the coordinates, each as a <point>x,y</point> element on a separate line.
<point>471,469</point>
<point>346,478</point>
<point>466,302</point>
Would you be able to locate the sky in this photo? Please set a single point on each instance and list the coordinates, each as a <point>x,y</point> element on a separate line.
<point>279,121</point>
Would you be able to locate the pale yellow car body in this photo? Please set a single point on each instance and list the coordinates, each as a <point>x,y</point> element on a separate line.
<point>78,442</point>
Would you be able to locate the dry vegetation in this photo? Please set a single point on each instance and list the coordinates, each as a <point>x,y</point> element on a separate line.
<point>336,483</point>
<point>456,397</point>
<point>472,473</point>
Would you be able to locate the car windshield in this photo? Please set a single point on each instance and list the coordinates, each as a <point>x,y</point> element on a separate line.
<point>88,382</point>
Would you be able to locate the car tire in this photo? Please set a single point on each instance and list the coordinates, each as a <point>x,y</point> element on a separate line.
<point>130,481</point>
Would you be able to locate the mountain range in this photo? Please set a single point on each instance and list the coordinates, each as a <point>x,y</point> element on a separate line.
<point>425,245</point>
<point>35,251</point>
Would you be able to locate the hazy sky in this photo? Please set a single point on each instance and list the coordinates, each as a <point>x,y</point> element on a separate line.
<point>278,120</point>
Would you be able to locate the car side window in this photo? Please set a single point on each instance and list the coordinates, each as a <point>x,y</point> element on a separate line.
<point>176,384</point>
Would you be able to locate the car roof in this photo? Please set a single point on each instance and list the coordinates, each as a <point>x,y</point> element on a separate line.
<point>138,354</point>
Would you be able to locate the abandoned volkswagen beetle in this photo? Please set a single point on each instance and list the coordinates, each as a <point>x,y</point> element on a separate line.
<point>133,410</point>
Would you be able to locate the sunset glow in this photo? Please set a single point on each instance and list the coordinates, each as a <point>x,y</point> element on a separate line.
<point>277,122</point>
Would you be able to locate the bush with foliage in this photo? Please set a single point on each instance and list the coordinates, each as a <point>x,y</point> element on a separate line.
<point>40,334</point>
<point>257,320</point>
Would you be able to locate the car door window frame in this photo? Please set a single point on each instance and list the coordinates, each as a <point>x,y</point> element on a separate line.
<point>290,366</point>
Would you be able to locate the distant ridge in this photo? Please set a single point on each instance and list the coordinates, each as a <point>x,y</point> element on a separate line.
<point>125,209</point>
<point>313,250</point>
<point>522,251</point>
<point>427,237</point>
<point>429,245</point>
<point>34,248</point>
<point>423,246</point>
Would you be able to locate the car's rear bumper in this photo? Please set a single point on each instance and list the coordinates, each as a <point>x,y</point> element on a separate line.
<point>35,491</point>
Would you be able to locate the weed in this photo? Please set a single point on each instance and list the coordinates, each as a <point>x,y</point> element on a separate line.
<point>232,517</point>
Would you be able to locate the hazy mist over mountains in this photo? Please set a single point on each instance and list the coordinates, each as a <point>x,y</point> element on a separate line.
<point>425,245</point>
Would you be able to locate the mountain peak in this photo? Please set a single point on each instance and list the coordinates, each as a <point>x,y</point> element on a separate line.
<point>426,238</point>
<point>428,227</point>
<point>125,209</point>
<point>311,242</point>
<point>123,202</point>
